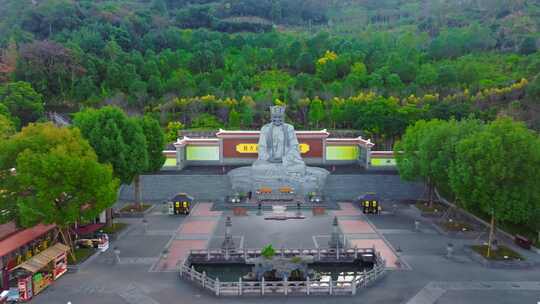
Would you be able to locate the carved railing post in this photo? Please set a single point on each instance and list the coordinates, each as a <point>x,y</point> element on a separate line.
<point>204,279</point>
<point>364,275</point>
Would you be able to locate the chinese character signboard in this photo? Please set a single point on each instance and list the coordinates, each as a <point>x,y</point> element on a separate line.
<point>253,148</point>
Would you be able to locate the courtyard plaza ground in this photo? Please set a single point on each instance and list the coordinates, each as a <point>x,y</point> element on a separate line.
<point>424,275</point>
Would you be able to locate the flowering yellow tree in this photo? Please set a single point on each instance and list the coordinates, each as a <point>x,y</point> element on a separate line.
<point>326,66</point>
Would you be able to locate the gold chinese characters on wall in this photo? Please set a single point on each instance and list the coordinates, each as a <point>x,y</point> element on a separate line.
<point>254,148</point>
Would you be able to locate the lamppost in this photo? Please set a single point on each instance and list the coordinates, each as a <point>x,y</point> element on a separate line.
<point>145,225</point>
<point>449,250</point>
<point>164,256</point>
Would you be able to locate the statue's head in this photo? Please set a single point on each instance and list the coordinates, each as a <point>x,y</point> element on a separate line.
<point>277,114</point>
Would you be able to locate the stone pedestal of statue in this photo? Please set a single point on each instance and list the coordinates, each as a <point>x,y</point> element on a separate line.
<point>274,176</point>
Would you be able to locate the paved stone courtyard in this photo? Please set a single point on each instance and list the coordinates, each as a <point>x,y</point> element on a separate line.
<point>419,272</point>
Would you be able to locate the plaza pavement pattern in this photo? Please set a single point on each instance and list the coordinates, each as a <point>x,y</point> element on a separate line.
<point>193,233</point>
<point>359,232</point>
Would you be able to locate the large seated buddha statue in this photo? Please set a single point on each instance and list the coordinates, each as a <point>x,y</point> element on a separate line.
<point>279,163</point>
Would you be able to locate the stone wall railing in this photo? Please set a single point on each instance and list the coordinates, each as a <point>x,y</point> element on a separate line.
<point>319,255</point>
<point>239,288</point>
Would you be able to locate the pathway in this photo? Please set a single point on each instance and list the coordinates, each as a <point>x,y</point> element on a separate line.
<point>361,233</point>
<point>193,233</point>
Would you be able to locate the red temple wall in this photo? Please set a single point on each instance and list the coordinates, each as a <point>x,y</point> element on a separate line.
<point>229,147</point>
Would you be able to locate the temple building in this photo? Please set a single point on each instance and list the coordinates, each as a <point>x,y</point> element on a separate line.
<point>236,148</point>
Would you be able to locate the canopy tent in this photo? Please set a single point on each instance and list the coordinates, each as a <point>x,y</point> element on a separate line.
<point>370,196</point>
<point>43,258</point>
<point>20,238</point>
<point>88,229</point>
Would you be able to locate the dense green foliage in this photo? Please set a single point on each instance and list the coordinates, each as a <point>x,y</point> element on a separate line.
<point>428,147</point>
<point>58,179</point>
<point>117,140</point>
<point>496,171</point>
<point>492,169</point>
<point>6,127</point>
<point>21,103</point>
<point>155,143</point>
<point>146,55</point>
<point>132,145</point>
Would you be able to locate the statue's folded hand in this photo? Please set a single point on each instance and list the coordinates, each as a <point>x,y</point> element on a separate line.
<point>275,160</point>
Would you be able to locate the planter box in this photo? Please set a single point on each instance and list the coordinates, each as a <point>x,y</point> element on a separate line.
<point>511,264</point>
<point>136,214</point>
<point>427,214</point>
<point>466,235</point>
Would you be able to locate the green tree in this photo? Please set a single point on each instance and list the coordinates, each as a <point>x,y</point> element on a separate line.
<point>274,81</point>
<point>533,89</point>
<point>155,86</point>
<point>394,83</point>
<point>427,76</point>
<point>117,140</point>
<point>359,74</point>
<point>375,81</point>
<point>206,121</point>
<point>155,142</point>
<point>171,134</point>
<point>305,63</point>
<point>327,71</point>
<point>6,127</point>
<point>428,147</point>
<point>316,112</point>
<point>336,113</point>
<point>234,120</point>
<point>50,67</point>
<point>381,119</point>
<point>160,6</point>
<point>496,172</point>
<point>268,251</point>
<point>24,104</point>
<point>58,179</point>
<point>246,116</point>
<point>528,46</point>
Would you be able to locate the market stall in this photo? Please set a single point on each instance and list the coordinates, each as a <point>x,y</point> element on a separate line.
<point>42,270</point>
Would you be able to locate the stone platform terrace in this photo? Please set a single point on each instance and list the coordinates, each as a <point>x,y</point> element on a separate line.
<point>215,187</point>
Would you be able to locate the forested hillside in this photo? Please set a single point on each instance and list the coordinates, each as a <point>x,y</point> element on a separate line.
<point>376,66</point>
